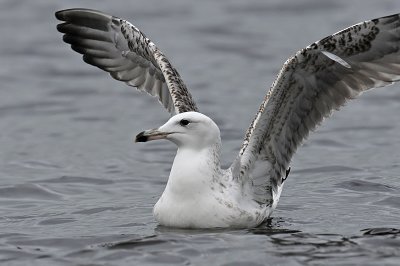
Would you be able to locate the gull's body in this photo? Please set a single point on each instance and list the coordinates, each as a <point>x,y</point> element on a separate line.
<point>198,191</point>
<point>312,83</point>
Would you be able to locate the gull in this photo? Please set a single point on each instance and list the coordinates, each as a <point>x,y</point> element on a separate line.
<point>311,84</point>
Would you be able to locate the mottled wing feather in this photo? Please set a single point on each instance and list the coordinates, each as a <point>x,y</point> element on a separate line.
<point>312,83</point>
<point>118,47</point>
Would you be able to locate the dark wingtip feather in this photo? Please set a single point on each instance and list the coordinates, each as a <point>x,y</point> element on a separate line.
<point>72,40</point>
<point>61,27</point>
<point>60,15</point>
<point>92,61</point>
<point>85,17</point>
<point>66,14</point>
<point>84,32</point>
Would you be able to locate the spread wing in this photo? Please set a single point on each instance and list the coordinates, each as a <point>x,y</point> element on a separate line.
<point>312,83</point>
<point>118,47</point>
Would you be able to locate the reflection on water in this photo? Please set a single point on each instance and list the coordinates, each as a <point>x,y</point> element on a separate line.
<point>75,190</point>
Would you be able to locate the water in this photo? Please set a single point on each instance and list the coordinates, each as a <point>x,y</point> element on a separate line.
<point>75,190</point>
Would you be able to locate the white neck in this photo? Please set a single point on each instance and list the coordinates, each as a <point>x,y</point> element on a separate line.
<point>194,170</point>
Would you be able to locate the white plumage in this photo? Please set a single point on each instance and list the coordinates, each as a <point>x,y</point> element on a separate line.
<point>316,80</point>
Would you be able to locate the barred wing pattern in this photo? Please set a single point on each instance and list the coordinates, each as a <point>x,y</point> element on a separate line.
<point>312,83</point>
<point>118,47</point>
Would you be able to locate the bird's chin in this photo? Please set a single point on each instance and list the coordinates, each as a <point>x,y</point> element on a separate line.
<point>149,135</point>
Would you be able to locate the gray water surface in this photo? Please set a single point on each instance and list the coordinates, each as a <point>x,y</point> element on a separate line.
<point>75,190</point>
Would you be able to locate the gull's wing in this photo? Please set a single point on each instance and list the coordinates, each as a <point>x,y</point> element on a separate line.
<point>312,83</point>
<point>118,47</point>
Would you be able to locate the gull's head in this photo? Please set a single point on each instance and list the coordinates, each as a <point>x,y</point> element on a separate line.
<point>190,129</point>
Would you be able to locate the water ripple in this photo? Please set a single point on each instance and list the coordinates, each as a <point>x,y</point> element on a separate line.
<point>328,169</point>
<point>361,185</point>
<point>77,179</point>
<point>29,192</point>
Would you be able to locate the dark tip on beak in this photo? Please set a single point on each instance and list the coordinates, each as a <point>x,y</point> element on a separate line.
<point>151,134</point>
<point>141,137</point>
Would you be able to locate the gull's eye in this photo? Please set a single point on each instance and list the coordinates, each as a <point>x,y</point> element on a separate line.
<point>184,122</point>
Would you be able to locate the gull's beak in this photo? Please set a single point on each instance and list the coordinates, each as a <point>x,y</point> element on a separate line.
<point>151,134</point>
